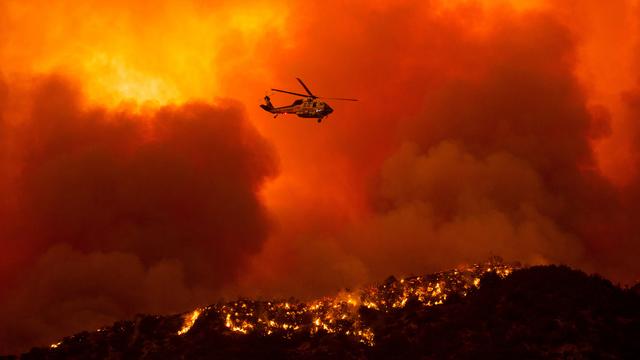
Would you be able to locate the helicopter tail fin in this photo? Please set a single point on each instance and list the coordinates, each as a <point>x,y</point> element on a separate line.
<point>268,106</point>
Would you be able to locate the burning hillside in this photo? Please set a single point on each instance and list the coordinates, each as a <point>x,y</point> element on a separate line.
<point>546,311</point>
<point>340,314</point>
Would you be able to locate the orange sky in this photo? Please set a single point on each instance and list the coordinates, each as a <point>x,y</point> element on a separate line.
<point>167,52</point>
<point>172,52</point>
<point>483,127</point>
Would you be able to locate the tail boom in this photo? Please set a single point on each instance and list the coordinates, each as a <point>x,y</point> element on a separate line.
<point>268,106</point>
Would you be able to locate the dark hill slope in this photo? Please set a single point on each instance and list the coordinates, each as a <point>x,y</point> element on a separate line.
<point>538,312</point>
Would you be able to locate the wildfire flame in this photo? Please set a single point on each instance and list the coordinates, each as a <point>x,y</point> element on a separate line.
<point>189,320</point>
<point>341,315</point>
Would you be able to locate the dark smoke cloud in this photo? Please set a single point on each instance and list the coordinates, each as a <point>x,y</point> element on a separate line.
<point>529,104</point>
<point>147,211</point>
<point>5,263</point>
<point>624,248</point>
<point>66,291</point>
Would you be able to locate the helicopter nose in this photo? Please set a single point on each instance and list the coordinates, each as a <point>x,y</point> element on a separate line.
<point>328,109</point>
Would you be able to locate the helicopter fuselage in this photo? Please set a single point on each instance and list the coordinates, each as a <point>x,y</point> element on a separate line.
<point>304,108</point>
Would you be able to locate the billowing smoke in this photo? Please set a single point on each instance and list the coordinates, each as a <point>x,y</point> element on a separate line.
<point>476,137</point>
<point>117,212</point>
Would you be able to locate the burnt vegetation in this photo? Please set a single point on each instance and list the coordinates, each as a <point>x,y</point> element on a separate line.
<point>536,312</point>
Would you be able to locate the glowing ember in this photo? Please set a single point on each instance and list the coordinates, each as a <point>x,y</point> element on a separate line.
<point>53,346</point>
<point>341,314</point>
<point>189,320</point>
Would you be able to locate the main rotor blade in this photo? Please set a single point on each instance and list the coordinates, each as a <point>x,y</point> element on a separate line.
<point>306,88</point>
<point>346,99</point>
<point>289,92</point>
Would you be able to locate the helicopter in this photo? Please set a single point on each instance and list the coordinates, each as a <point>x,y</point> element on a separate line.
<point>309,107</point>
